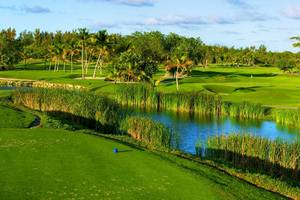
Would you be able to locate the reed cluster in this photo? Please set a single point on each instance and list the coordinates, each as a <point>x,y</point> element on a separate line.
<point>151,133</point>
<point>94,111</point>
<point>276,158</point>
<point>287,117</point>
<point>136,95</point>
<point>145,96</point>
<point>98,112</point>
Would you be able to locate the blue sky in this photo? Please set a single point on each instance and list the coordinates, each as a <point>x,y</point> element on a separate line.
<point>237,23</point>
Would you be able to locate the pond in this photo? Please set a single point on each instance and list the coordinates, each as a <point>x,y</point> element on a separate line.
<point>193,129</point>
<point>7,87</point>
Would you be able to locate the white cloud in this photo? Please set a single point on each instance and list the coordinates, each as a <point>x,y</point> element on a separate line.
<point>293,12</point>
<point>135,3</point>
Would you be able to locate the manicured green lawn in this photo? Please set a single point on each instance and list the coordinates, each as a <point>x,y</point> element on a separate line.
<point>13,118</point>
<point>5,93</point>
<point>264,85</point>
<point>57,164</point>
<point>267,86</point>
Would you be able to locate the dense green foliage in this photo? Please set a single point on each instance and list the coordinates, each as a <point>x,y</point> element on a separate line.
<point>9,47</point>
<point>133,67</point>
<point>276,158</point>
<point>286,65</point>
<point>97,112</point>
<point>97,49</point>
<point>152,133</point>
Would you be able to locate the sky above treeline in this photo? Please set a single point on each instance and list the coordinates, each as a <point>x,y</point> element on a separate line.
<point>238,23</point>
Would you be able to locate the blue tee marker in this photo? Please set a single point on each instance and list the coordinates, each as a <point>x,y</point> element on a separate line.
<point>115,150</point>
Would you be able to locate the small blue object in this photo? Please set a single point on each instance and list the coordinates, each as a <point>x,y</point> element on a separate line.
<point>115,150</point>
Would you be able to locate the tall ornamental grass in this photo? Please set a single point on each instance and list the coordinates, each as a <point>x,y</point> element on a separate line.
<point>277,158</point>
<point>151,133</point>
<point>145,96</point>
<point>288,117</point>
<point>98,112</point>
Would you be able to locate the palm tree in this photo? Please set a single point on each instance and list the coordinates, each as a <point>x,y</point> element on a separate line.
<point>73,48</point>
<point>89,50</point>
<point>101,40</point>
<point>103,53</point>
<point>297,38</point>
<point>58,49</point>
<point>83,34</point>
<point>181,62</point>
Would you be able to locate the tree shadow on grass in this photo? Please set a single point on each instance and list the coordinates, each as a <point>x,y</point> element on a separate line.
<point>247,89</point>
<point>168,81</point>
<point>73,76</point>
<point>100,87</point>
<point>210,74</point>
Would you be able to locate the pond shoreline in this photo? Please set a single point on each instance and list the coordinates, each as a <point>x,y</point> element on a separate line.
<point>233,172</point>
<point>38,84</point>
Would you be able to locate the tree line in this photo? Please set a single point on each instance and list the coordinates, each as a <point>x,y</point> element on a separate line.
<point>134,57</point>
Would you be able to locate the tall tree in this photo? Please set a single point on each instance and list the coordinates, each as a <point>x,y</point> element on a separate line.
<point>181,61</point>
<point>83,35</point>
<point>26,40</point>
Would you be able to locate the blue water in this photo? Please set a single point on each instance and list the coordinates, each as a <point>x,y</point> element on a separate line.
<point>192,130</point>
<point>7,87</point>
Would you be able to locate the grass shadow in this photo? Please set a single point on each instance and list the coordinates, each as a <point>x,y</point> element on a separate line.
<point>78,122</point>
<point>247,89</point>
<point>249,164</point>
<point>124,151</point>
<point>211,74</point>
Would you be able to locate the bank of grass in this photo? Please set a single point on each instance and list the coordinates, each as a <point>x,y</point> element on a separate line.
<point>290,117</point>
<point>96,112</point>
<point>201,103</point>
<point>263,85</point>
<point>4,94</point>
<point>11,117</point>
<point>249,154</point>
<point>58,164</point>
<point>198,103</point>
<point>268,86</point>
<point>276,158</point>
<point>258,179</point>
<point>153,134</point>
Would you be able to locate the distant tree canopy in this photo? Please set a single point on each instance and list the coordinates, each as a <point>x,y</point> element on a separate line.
<point>286,65</point>
<point>134,57</point>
